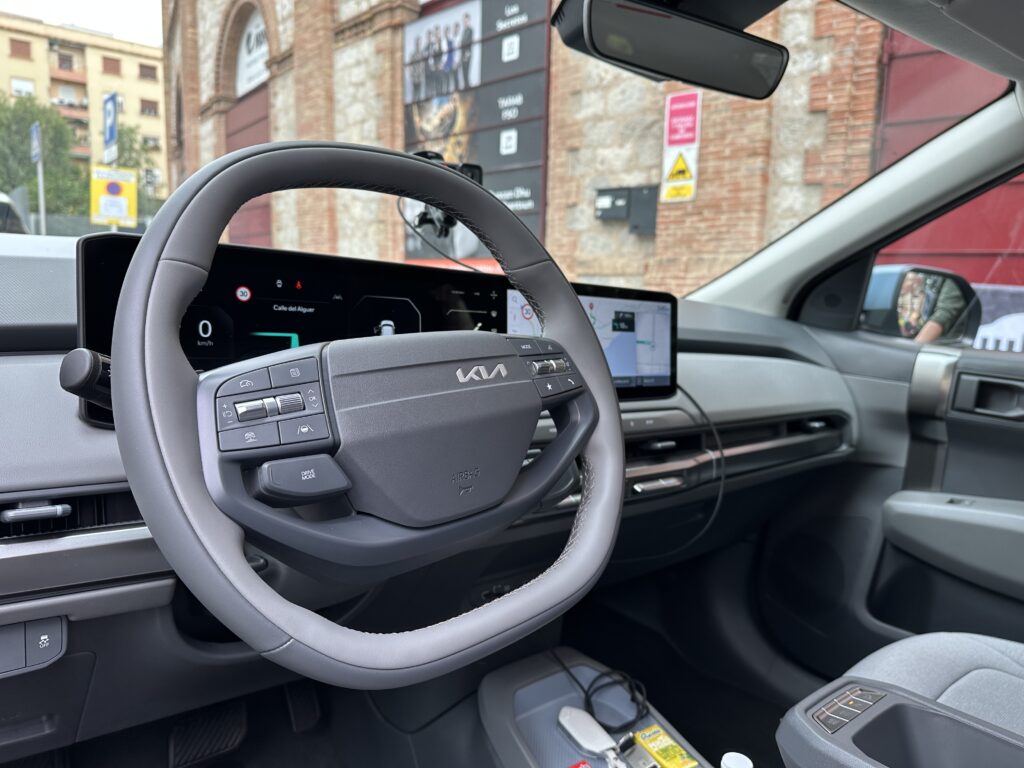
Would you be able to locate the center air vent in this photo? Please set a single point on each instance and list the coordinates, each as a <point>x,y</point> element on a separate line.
<point>85,513</point>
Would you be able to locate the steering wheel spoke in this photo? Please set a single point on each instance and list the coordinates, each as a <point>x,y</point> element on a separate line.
<point>424,435</point>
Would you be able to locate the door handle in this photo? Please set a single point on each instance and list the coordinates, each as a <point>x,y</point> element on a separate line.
<point>993,397</point>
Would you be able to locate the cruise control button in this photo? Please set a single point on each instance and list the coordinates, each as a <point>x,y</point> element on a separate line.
<point>570,381</point>
<point>548,387</point>
<point>303,429</point>
<point>525,346</point>
<point>253,381</point>
<point>296,372</point>
<point>43,641</point>
<point>250,410</point>
<point>302,479</point>
<point>226,416</point>
<point>255,436</point>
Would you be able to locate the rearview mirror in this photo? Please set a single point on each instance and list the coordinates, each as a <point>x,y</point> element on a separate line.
<point>921,303</point>
<point>657,42</point>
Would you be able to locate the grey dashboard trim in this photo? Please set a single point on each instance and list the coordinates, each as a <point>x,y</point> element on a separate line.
<point>78,559</point>
<point>737,388</point>
<point>44,444</point>
<point>93,603</point>
<point>974,537</point>
<point>38,310</point>
<point>715,328</point>
<point>882,407</point>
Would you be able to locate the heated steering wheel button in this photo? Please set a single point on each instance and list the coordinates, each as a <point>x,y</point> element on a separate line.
<point>548,387</point>
<point>255,436</point>
<point>549,347</point>
<point>296,372</point>
<point>301,479</point>
<point>253,381</point>
<point>303,429</point>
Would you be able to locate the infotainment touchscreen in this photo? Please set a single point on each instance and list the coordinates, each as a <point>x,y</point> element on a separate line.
<point>637,334</point>
<point>258,300</point>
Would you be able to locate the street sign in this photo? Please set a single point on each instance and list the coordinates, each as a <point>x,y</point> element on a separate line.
<point>36,142</point>
<point>110,128</point>
<point>113,197</point>
<point>681,148</point>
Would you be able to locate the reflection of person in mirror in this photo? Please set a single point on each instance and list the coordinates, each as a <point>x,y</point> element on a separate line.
<point>465,50</point>
<point>910,304</point>
<point>948,308</point>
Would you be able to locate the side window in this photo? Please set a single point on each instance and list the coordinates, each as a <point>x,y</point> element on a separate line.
<point>957,279</point>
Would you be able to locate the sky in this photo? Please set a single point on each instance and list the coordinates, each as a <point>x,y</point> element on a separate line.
<point>137,21</point>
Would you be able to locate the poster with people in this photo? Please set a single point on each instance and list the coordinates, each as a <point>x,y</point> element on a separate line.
<point>442,52</point>
<point>476,91</point>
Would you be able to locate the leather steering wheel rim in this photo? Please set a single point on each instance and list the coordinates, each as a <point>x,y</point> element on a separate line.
<point>154,402</point>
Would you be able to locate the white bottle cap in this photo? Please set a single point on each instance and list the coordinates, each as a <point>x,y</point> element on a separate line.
<point>736,760</point>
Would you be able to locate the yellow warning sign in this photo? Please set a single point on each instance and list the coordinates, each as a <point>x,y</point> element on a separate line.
<point>113,196</point>
<point>680,170</point>
<point>680,192</point>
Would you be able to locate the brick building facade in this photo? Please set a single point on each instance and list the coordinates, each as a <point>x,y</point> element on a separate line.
<point>336,69</point>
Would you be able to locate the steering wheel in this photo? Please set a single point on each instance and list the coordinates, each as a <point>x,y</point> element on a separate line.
<point>359,459</point>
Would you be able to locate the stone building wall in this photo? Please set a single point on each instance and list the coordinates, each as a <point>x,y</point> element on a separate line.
<point>336,71</point>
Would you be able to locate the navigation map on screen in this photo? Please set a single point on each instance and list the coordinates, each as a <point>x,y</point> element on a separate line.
<point>636,335</point>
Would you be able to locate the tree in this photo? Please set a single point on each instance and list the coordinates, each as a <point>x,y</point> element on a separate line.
<point>67,185</point>
<point>133,153</point>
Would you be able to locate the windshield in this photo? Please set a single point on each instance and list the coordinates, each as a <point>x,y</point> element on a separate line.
<point>108,106</point>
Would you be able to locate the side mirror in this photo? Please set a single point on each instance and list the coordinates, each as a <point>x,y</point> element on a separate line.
<point>654,40</point>
<point>920,303</point>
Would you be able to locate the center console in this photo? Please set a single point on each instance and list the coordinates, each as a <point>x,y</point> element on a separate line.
<point>520,706</point>
<point>856,723</point>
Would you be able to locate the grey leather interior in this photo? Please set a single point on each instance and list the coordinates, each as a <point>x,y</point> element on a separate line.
<point>980,676</point>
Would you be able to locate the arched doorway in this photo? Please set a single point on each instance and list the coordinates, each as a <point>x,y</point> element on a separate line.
<point>247,122</point>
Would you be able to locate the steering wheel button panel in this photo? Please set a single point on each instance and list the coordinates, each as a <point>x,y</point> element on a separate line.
<point>250,410</point>
<point>290,403</point>
<point>296,372</point>
<point>253,436</point>
<point>525,346</point>
<point>570,381</point>
<point>246,383</point>
<point>312,397</point>
<point>548,386</point>
<point>300,480</point>
<point>304,429</point>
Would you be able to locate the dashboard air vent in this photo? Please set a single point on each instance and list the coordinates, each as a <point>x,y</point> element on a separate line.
<point>85,513</point>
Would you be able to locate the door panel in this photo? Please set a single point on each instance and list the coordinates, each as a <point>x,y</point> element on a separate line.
<point>936,547</point>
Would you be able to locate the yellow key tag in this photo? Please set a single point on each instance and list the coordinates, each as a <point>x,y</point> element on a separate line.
<point>663,748</point>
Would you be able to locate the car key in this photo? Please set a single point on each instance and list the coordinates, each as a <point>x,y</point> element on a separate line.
<point>588,735</point>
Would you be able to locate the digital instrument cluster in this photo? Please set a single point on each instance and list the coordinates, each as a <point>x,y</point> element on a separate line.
<point>259,300</point>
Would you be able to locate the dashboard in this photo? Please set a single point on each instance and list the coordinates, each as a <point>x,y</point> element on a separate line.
<point>257,301</point>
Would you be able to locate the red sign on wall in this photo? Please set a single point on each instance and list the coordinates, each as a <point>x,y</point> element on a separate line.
<point>682,147</point>
<point>682,119</point>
